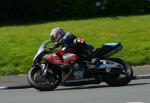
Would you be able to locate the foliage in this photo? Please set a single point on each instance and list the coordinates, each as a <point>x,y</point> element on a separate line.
<point>65,9</point>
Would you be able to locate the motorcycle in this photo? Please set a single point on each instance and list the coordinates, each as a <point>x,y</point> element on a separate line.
<point>59,71</point>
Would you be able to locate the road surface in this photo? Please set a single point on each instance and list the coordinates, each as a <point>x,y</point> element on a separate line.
<point>138,91</point>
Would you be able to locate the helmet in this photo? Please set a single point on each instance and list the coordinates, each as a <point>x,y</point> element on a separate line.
<point>56,34</point>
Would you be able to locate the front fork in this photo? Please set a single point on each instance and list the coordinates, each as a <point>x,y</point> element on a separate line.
<point>45,71</point>
<point>44,68</point>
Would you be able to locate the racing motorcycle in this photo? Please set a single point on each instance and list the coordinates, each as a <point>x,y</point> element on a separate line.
<point>59,71</point>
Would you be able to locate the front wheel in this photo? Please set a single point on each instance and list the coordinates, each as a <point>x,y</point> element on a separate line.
<point>122,78</point>
<point>42,82</point>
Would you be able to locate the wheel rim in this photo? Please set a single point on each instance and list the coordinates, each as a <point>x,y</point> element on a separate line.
<point>45,80</point>
<point>126,72</point>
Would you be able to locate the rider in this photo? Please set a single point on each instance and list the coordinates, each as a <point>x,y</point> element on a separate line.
<point>69,40</point>
<point>70,43</point>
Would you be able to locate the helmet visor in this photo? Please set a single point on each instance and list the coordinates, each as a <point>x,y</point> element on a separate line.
<point>55,37</point>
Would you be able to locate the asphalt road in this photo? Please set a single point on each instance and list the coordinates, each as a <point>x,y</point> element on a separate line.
<point>138,91</point>
<point>21,80</point>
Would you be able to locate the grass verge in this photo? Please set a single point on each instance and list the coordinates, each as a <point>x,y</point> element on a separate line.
<point>18,44</point>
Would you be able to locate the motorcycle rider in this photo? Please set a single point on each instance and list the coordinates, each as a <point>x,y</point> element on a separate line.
<point>71,44</point>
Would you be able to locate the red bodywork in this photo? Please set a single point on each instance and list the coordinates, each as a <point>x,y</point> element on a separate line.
<point>61,57</point>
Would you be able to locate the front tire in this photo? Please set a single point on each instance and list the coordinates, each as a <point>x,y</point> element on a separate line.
<point>115,79</point>
<point>41,82</point>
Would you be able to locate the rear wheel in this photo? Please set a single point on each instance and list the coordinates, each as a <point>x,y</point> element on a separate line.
<point>122,78</point>
<point>47,82</point>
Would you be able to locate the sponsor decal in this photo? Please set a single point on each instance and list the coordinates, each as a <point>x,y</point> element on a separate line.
<point>79,80</point>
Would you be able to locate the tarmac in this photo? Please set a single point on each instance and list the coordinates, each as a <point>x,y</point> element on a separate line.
<point>20,81</point>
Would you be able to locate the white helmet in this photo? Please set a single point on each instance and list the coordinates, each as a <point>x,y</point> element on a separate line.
<point>57,34</point>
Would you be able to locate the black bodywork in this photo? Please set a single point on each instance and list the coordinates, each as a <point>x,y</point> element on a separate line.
<point>107,50</point>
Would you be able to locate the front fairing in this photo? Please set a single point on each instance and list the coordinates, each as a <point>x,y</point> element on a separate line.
<point>40,50</point>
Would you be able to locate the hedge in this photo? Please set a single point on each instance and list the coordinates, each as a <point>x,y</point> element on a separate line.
<point>59,9</point>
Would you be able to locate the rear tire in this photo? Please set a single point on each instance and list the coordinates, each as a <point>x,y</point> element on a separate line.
<point>41,82</point>
<point>114,80</point>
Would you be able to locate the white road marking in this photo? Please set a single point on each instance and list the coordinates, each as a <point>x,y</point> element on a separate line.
<point>135,102</point>
<point>4,87</point>
<point>146,76</point>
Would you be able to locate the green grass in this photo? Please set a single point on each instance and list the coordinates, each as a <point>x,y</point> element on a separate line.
<point>18,44</point>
